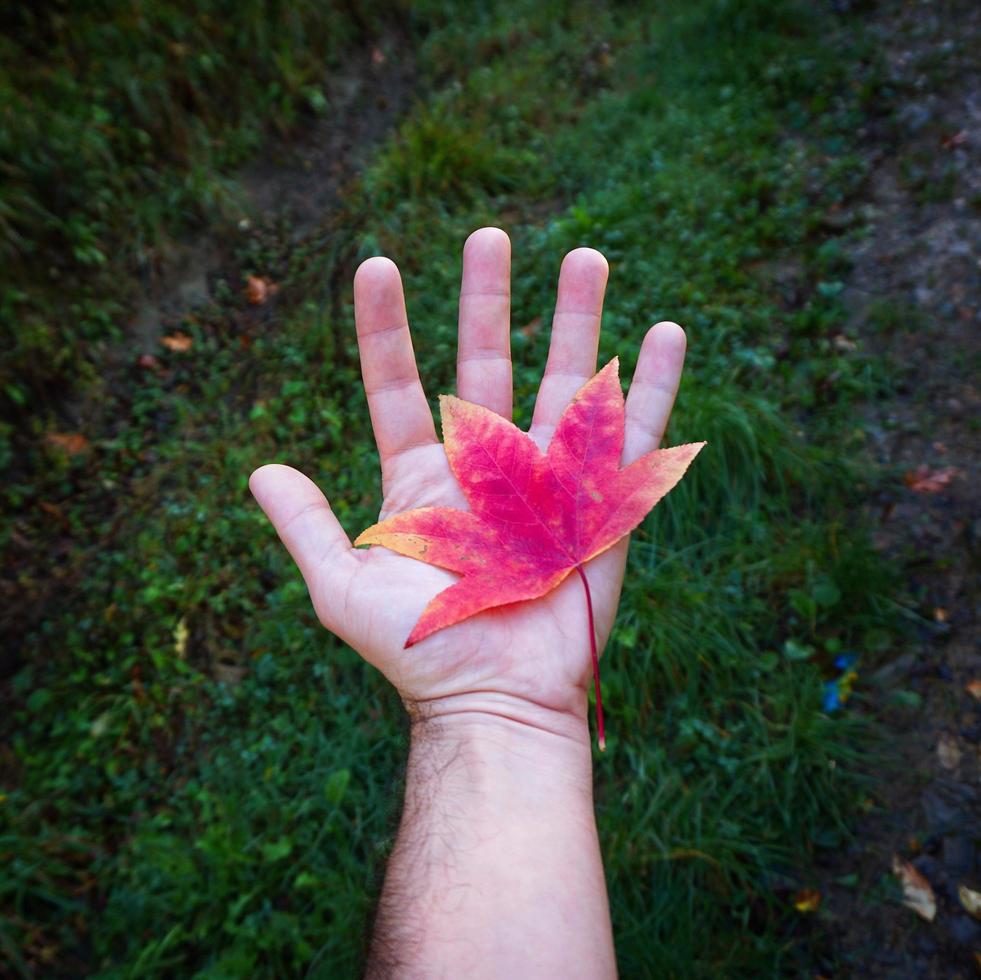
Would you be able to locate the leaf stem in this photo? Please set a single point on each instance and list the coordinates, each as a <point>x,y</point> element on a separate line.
<point>592,649</point>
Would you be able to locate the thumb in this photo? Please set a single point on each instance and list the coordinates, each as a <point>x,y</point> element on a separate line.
<point>312,534</point>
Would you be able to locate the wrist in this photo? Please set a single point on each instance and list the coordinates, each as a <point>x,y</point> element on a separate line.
<point>474,719</point>
<point>502,757</point>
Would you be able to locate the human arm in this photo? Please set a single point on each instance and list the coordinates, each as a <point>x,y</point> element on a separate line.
<point>496,870</point>
<point>497,854</point>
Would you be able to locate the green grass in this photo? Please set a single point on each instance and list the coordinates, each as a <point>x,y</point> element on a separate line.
<point>157,822</point>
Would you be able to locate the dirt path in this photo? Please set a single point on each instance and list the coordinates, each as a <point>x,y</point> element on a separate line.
<point>289,191</point>
<point>915,290</point>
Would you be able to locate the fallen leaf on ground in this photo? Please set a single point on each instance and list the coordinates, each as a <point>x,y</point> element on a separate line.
<point>534,518</point>
<point>926,480</point>
<point>807,900</point>
<point>954,140</point>
<point>974,688</point>
<point>73,443</point>
<point>258,289</point>
<point>970,899</point>
<point>148,362</point>
<point>948,751</point>
<point>178,342</point>
<point>917,892</point>
<point>53,510</point>
<point>181,633</point>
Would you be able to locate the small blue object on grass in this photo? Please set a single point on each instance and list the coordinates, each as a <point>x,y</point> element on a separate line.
<point>836,692</point>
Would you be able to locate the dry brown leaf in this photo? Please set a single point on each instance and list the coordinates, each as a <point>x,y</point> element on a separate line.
<point>73,443</point>
<point>970,899</point>
<point>926,480</point>
<point>917,892</point>
<point>53,510</point>
<point>178,342</point>
<point>948,751</point>
<point>973,688</point>
<point>954,140</point>
<point>807,900</point>
<point>258,289</point>
<point>532,327</point>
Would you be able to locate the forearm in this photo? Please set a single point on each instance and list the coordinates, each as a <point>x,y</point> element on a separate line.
<point>496,870</point>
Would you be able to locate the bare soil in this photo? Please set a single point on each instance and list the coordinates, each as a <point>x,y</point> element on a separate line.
<point>287,192</point>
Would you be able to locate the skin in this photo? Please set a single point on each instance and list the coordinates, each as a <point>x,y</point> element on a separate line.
<point>496,870</point>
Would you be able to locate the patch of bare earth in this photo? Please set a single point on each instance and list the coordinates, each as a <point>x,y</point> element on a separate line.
<point>288,192</point>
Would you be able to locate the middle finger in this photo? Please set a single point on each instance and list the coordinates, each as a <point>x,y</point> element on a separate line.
<point>483,366</point>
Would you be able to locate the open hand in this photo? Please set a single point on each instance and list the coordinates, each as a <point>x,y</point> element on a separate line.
<point>530,661</point>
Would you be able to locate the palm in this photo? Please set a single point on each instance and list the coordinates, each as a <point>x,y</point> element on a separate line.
<point>534,651</point>
<point>500,650</point>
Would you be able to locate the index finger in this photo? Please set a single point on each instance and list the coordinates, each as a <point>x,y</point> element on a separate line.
<point>400,414</point>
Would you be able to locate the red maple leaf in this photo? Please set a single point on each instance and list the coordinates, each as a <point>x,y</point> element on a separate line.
<point>534,517</point>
